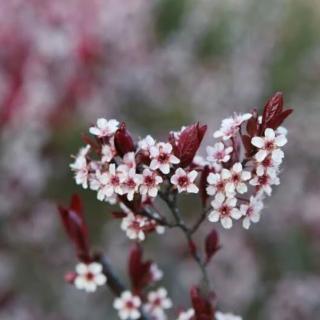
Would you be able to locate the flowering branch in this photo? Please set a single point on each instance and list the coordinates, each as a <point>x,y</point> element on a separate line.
<point>233,181</point>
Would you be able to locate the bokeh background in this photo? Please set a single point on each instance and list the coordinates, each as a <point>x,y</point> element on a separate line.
<point>157,65</point>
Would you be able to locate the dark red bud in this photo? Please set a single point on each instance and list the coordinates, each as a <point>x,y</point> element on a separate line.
<point>123,140</point>
<point>212,245</point>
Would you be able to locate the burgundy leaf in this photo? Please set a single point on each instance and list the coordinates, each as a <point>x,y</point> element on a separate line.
<point>188,143</point>
<point>211,245</point>
<point>252,124</point>
<point>119,214</point>
<point>277,121</point>
<point>123,140</point>
<point>75,227</point>
<point>139,271</point>
<point>246,140</point>
<point>203,185</point>
<point>271,109</point>
<point>201,305</point>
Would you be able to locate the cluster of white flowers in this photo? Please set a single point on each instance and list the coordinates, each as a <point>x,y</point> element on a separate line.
<point>227,184</point>
<point>89,276</point>
<point>112,176</point>
<point>129,306</point>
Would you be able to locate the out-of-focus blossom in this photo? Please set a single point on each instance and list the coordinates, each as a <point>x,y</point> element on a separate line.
<point>128,306</point>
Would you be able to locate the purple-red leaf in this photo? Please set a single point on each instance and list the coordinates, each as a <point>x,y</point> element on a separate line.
<point>123,141</point>
<point>75,227</point>
<point>203,308</point>
<point>212,245</point>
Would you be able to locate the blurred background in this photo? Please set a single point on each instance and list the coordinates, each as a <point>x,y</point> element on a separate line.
<point>157,65</point>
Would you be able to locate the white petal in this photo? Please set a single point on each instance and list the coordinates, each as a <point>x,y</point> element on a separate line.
<point>102,123</point>
<point>242,188</point>
<point>255,217</point>
<point>261,155</point>
<point>192,188</point>
<point>236,214</point>
<point>281,140</point>
<point>246,223</point>
<point>277,155</point>
<point>100,279</point>
<point>226,222</point>
<point>237,167</point>
<point>257,142</point>
<point>269,133</point>
<point>192,175</point>
<point>81,268</point>
<point>95,268</point>
<point>214,216</point>
<point>225,174</point>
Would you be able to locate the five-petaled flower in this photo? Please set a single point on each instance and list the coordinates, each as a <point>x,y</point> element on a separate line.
<point>81,167</point>
<point>219,153</point>
<point>162,157</point>
<point>150,183</point>
<point>131,183</point>
<point>251,211</point>
<point>264,182</point>
<point>89,276</point>
<point>184,181</point>
<point>134,226</point>
<point>237,179</point>
<point>128,306</point>
<point>224,209</point>
<point>269,144</point>
<point>104,128</point>
<point>158,301</point>
<point>218,182</point>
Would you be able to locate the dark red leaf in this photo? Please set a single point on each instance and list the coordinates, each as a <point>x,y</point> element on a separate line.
<point>246,140</point>
<point>277,121</point>
<point>123,140</point>
<point>203,185</point>
<point>119,214</point>
<point>75,227</point>
<point>252,124</point>
<point>272,108</point>
<point>212,245</point>
<point>203,308</point>
<point>188,143</point>
<point>139,271</point>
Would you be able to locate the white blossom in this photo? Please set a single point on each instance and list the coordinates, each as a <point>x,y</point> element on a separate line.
<point>150,183</point>
<point>218,182</point>
<point>237,179</point>
<point>89,276</point>
<point>156,273</point>
<point>146,143</point>
<point>269,144</point>
<point>81,167</point>
<point>226,316</point>
<point>130,183</point>
<point>219,153</point>
<point>186,315</point>
<point>128,306</point>
<point>162,157</point>
<point>158,301</point>
<point>134,225</point>
<point>224,209</point>
<point>107,153</point>
<point>104,128</point>
<point>264,182</point>
<point>251,211</point>
<point>230,126</point>
<point>184,181</point>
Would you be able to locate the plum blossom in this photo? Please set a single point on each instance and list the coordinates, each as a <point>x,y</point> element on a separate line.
<point>186,315</point>
<point>89,276</point>
<point>156,273</point>
<point>150,183</point>
<point>131,183</point>
<point>226,316</point>
<point>251,211</point>
<point>184,181</point>
<point>128,306</point>
<point>108,183</point>
<point>104,128</point>
<point>81,167</point>
<point>162,157</point>
<point>268,165</point>
<point>269,144</point>
<point>134,226</point>
<point>224,209</point>
<point>146,143</point>
<point>107,153</point>
<point>264,182</point>
<point>158,301</point>
<point>230,126</point>
<point>236,181</point>
<point>219,153</point>
<point>218,182</point>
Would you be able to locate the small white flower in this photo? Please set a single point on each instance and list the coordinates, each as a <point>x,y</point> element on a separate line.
<point>186,315</point>
<point>251,211</point>
<point>218,153</point>
<point>107,153</point>
<point>226,316</point>
<point>184,181</point>
<point>81,167</point>
<point>269,166</point>
<point>131,183</point>
<point>134,226</point>
<point>128,306</point>
<point>158,301</point>
<point>162,157</point>
<point>264,182</point>
<point>150,183</point>
<point>156,273</point>
<point>236,181</point>
<point>89,276</point>
<point>230,126</point>
<point>104,128</point>
<point>146,143</point>
<point>218,182</point>
<point>269,144</point>
<point>108,183</point>
<point>224,209</point>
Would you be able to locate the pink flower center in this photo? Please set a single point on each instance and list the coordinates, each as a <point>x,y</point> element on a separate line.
<point>131,183</point>
<point>157,302</point>
<point>115,180</point>
<point>219,155</point>
<point>163,157</point>
<point>89,276</point>
<point>220,185</point>
<point>269,145</point>
<point>149,181</point>
<point>263,180</point>
<point>183,181</point>
<point>236,178</point>
<point>130,305</point>
<point>225,210</point>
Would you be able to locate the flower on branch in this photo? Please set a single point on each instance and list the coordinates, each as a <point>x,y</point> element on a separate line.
<point>128,306</point>
<point>104,128</point>
<point>157,303</point>
<point>184,181</point>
